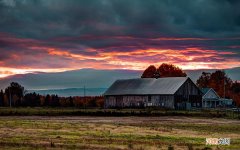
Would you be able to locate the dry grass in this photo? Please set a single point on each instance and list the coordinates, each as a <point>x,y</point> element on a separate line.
<point>114,132</point>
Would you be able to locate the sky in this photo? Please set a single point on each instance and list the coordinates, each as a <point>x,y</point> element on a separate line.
<point>61,35</point>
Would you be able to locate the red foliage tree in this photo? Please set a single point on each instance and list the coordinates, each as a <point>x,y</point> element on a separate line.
<point>170,70</point>
<point>220,82</point>
<point>149,72</point>
<point>216,80</point>
<point>164,70</point>
<point>235,92</point>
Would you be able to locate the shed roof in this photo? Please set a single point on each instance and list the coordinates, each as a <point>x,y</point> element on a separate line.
<point>205,90</point>
<point>146,86</point>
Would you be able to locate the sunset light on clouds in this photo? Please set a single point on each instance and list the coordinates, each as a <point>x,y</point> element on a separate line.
<point>50,36</point>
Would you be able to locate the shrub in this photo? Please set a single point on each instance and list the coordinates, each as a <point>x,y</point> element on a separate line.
<point>170,147</point>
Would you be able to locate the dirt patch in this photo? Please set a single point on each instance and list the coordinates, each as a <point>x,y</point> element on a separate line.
<point>162,119</point>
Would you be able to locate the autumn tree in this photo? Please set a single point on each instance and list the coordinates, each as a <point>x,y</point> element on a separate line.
<point>42,100</point>
<point>236,87</point>
<point>100,101</point>
<point>217,80</point>
<point>15,91</point>
<point>149,72</point>
<point>66,101</point>
<point>235,92</point>
<point>92,102</point>
<point>78,101</point>
<point>170,70</point>
<point>164,70</point>
<point>204,80</point>
<point>221,83</point>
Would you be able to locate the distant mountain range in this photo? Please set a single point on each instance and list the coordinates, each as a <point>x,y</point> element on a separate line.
<point>71,92</point>
<point>71,83</point>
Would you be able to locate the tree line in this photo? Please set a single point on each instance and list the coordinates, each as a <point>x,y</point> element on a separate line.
<point>15,95</point>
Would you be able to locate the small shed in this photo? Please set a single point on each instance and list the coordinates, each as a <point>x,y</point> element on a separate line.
<point>211,99</point>
<point>171,92</point>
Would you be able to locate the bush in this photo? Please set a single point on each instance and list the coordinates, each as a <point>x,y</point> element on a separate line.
<point>170,147</point>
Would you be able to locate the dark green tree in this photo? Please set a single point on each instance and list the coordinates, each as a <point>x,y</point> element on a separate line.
<point>15,90</point>
<point>1,98</point>
<point>204,80</point>
<point>47,100</point>
<point>54,101</point>
<point>31,99</point>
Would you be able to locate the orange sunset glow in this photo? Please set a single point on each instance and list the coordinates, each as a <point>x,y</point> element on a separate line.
<point>186,59</point>
<point>115,36</point>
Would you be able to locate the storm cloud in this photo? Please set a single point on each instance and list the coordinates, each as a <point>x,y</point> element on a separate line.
<point>72,34</point>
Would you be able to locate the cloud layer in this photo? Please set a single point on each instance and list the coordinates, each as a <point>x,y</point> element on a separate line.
<point>50,36</point>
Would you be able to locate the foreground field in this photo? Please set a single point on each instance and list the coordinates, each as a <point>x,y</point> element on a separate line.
<point>28,132</point>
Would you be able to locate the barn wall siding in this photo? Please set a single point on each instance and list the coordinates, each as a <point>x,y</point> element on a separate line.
<point>134,101</point>
<point>166,101</point>
<point>110,101</point>
<point>125,101</point>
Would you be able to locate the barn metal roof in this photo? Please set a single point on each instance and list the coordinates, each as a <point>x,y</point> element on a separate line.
<point>146,86</point>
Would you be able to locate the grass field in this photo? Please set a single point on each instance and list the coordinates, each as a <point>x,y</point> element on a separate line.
<point>140,133</point>
<point>45,111</point>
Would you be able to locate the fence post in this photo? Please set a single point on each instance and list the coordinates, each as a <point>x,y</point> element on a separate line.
<point>238,113</point>
<point>233,113</point>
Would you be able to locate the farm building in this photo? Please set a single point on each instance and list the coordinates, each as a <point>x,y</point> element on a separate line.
<point>171,92</point>
<point>211,99</point>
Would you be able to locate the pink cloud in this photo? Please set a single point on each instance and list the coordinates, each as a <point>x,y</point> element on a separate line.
<point>24,55</point>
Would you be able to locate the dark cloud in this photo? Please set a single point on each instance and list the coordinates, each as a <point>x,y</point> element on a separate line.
<point>141,18</point>
<point>84,31</point>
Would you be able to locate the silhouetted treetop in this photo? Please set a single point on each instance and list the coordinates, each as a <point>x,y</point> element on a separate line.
<point>170,70</point>
<point>164,70</point>
<point>149,72</point>
<point>204,79</point>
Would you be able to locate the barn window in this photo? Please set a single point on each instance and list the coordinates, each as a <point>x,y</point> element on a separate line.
<point>149,104</point>
<point>149,98</point>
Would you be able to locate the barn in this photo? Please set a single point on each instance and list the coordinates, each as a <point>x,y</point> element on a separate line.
<point>171,92</point>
